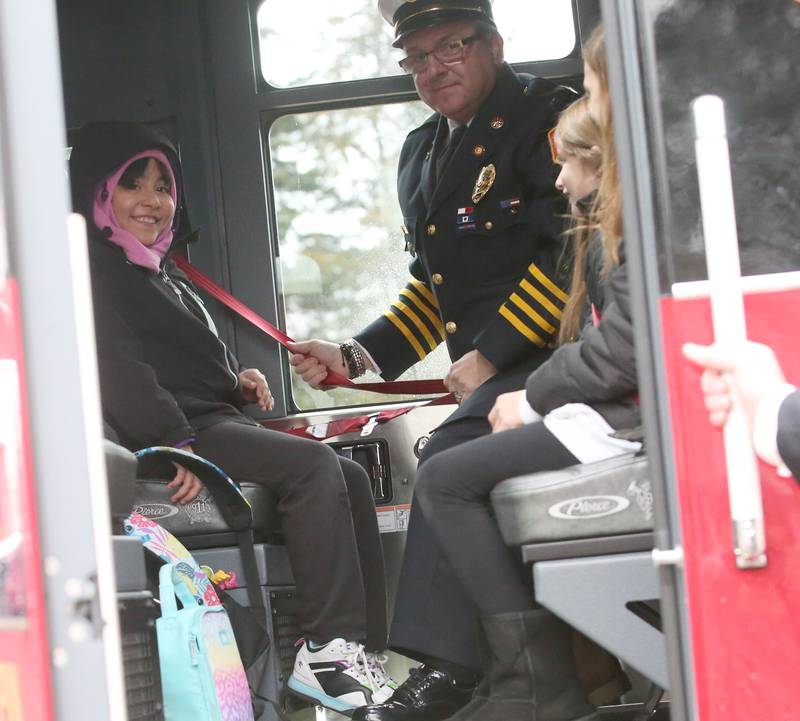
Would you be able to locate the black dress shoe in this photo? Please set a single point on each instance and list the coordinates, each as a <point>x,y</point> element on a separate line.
<point>426,695</point>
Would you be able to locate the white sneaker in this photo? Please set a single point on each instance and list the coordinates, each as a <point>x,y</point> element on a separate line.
<point>336,676</point>
<point>385,685</point>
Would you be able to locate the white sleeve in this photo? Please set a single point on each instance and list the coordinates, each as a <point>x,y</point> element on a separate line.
<point>526,412</point>
<point>765,426</point>
<point>375,366</point>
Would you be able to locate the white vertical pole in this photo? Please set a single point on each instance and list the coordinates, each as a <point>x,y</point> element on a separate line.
<point>727,309</point>
<point>98,483</point>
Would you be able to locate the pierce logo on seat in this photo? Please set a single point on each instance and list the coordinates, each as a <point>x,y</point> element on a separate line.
<point>156,510</point>
<point>586,507</point>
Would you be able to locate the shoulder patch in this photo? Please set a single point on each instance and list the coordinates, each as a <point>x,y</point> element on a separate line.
<point>551,139</point>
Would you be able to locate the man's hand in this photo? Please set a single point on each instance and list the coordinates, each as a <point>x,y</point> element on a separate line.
<point>467,373</point>
<point>749,370</point>
<point>188,484</point>
<point>313,358</point>
<point>254,389</point>
<point>505,413</point>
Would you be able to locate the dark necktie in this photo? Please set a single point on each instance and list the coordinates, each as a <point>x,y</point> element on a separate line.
<point>448,150</point>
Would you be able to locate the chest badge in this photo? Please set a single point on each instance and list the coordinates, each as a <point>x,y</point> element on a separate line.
<point>484,182</point>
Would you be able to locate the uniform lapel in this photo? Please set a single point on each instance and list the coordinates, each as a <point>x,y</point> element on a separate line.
<point>429,167</point>
<point>479,142</point>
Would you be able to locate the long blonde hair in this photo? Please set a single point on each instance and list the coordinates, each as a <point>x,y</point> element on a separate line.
<point>607,210</point>
<point>577,134</point>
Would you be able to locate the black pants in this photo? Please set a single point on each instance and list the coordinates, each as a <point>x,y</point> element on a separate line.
<point>329,524</point>
<point>456,566</point>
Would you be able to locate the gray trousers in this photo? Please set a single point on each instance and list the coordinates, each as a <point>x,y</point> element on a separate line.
<point>329,524</point>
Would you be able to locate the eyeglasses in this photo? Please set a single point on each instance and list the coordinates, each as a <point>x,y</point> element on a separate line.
<point>450,52</point>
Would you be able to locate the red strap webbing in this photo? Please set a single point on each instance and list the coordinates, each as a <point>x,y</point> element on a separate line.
<point>346,425</point>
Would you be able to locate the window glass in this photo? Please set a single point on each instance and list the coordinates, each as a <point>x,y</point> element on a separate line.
<point>319,41</point>
<point>342,252</point>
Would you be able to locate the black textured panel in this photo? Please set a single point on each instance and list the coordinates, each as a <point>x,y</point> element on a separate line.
<point>137,614</point>
<point>747,52</point>
<point>286,634</point>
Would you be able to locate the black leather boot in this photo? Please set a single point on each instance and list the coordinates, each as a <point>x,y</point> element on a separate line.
<point>530,671</point>
<point>426,695</point>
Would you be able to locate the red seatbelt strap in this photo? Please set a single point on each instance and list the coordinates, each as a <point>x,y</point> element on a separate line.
<point>346,425</point>
<point>424,387</point>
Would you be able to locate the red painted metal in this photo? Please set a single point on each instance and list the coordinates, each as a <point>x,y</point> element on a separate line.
<point>24,666</point>
<point>744,624</point>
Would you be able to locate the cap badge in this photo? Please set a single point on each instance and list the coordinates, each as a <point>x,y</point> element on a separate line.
<point>497,122</point>
<point>484,182</point>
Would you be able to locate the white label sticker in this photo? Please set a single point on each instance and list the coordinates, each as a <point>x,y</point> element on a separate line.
<point>392,519</point>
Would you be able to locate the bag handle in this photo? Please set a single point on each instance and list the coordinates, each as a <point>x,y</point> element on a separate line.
<point>168,590</point>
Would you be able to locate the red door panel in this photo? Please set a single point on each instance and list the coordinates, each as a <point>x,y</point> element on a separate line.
<point>745,624</point>
<point>24,665</point>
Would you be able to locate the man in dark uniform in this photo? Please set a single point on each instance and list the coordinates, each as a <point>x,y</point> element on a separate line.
<point>482,221</point>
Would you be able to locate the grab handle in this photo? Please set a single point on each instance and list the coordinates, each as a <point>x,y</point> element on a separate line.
<point>727,311</point>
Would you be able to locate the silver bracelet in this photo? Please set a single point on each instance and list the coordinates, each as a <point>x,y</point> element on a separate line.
<point>353,359</point>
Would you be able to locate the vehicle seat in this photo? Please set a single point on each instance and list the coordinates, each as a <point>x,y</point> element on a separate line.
<point>588,531</point>
<point>121,477</point>
<point>608,498</point>
<point>200,524</point>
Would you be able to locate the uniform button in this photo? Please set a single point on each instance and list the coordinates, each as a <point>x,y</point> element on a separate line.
<point>479,150</point>
<point>437,279</point>
<point>450,327</point>
<point>431,229</point>
<point>488,225</point>
<point>514,211</point>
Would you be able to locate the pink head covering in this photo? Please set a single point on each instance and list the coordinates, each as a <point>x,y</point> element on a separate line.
<point>103,216</point>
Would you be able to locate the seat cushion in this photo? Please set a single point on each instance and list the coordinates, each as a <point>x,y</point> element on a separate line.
<point>592,499</point>
<point>202,516</point>
<point>121,473</point>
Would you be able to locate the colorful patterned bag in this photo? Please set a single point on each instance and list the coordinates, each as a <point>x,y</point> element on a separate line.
<point>202,676</point>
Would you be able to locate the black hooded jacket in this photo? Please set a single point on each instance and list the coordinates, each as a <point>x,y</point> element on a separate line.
<point>164,373</point>
<point>599,368</point>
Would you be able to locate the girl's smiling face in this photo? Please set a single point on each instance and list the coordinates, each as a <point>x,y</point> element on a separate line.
<point>144,206</point>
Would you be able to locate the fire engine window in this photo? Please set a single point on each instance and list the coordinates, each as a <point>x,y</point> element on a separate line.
<point>342,252</point>
<point>319,41</point>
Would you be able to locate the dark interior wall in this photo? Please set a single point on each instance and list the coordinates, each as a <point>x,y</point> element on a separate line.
<point>118,60</point>
<point>748,53</point>
<point>147,61</point>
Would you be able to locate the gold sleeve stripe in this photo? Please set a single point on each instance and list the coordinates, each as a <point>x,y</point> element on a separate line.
<point>404,329</point>
<point>423,295</point>
<point>432,317</point>
<point>521,327</point>
<point>547,283</point>
<point>424,291</point>
<point>532,314</point>
<point>541,298</point>
<point>417,321</point>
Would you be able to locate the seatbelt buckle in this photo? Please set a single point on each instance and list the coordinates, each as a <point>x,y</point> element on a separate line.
<point>369,426</point>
